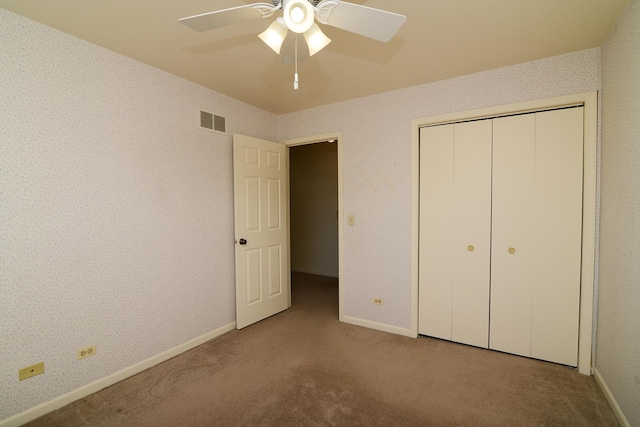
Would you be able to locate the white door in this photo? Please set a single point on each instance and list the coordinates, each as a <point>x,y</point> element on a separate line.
<point>537,229</point>
<point>472,233</point>
<point>557,236</point>
<point>435,280</point>
<point>455,232</point>
<point>511,247</point>
<point>262,269</point>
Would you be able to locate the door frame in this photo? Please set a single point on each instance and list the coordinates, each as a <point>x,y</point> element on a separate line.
<point>589,204</point>
<point>313,139</point>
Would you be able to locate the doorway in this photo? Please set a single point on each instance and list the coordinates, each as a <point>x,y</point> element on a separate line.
<point>314,200</point>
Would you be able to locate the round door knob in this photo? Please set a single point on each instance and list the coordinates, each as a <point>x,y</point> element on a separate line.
<point>470,248</point>
<point>243,242</point>
<point>512,251</point>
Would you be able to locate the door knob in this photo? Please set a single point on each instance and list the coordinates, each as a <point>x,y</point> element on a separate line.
<point>243,242</point>
<point>512,251</point>
<point>470,248</point>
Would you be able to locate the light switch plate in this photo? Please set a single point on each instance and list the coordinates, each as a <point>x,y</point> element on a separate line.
<point>31,371</point>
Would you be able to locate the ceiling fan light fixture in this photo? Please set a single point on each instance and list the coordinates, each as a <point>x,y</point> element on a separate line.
<point>299,15</point>
<point>316,40</point>
<point>274,36</point>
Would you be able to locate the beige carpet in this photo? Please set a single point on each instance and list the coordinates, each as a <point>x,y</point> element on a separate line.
<point>304,368</point>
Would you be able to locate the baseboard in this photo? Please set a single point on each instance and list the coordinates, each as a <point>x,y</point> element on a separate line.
<point>612,401</point>
<point>315,272</point>
<point>77,394</point>
<point>378,326</point>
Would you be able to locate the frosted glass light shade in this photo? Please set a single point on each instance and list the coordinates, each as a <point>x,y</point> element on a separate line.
<point>274,36</point>
<point>316,40</point>
<point>299,15</point>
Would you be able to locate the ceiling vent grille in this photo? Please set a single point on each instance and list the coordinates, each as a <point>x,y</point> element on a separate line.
<point>213,122</point>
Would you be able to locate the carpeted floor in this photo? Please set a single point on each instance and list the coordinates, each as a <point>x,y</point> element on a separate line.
<point>304,368</point>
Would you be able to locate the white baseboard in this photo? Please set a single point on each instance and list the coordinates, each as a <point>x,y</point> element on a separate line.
<point>378,326</point>
<point>612,401</point>
<point>77,394</point>
<point>315,272</point>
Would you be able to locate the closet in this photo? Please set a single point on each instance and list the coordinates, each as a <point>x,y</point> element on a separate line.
<point>500,233</point>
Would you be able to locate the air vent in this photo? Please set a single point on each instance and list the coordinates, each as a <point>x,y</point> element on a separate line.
<point>210,121</point>
<point>219,124</point>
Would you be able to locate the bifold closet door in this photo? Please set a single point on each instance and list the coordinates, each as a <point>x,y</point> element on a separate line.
<point>557,237</point>
<point>512,219</point>
<point>536,234</point>
<point>435,279</point>
<point>455,231</point>
<point>471,233</point>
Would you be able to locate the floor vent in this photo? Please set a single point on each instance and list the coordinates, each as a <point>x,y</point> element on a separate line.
<point>210,121</point>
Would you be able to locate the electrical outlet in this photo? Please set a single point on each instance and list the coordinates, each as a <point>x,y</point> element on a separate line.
<point>377,301</point>
<point>86,352</point>
<point>31,371</point>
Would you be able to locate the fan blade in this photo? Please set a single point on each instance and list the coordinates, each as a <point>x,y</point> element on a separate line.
<point>221,18</point>
<point>369,22</point>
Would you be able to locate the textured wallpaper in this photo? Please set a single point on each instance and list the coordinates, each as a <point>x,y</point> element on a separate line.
<point>377,170</point>
<point>116,211</point>
<point>618,347</point>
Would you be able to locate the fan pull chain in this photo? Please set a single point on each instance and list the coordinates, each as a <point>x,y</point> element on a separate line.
<point>295,79</point>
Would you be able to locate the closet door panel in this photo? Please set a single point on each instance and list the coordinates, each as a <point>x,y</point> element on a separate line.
<point>512,218</point>
<point>436,231</point>
<point>472,233</point>
<point>557,234</point>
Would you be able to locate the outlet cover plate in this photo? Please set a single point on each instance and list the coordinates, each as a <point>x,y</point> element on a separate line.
<point>86,352</point>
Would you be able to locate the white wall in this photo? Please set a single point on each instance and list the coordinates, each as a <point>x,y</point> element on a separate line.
<point>376,165</point>
<point>314,208</point>
<point>116,212</point>
<point>618,347</point>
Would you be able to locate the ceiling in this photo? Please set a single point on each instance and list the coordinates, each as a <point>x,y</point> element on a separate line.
<point>441,39</point>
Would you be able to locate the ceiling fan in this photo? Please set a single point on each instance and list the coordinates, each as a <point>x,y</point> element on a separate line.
<point>299,17</point>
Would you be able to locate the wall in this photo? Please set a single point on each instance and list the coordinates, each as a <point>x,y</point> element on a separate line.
<point>619,317</point>
<point>116,218</point>
<point>314,208</point>
<point>376,166</point>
